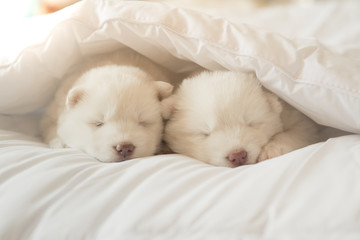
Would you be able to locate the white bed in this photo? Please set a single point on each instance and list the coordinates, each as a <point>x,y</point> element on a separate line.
<point>308,56</point>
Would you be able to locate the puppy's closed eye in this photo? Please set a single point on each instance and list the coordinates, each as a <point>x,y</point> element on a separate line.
<point>97,124</point>
<point>145,120</point>
<point>144,123</point>
<point>205,133</point>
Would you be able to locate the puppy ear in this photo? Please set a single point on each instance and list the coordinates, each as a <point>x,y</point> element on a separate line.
<point>274,102</point>
<point>168,106</point>
<point>164,89</point>
<point>74,96</point>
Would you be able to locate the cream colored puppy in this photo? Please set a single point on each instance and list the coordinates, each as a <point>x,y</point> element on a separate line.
<point>110,109</point>
<point>229,119</point>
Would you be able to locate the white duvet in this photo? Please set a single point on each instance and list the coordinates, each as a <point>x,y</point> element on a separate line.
<point>310,57</point>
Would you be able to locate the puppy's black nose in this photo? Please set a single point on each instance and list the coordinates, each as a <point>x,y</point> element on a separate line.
<point>125,150</point>
<point>238,158</point>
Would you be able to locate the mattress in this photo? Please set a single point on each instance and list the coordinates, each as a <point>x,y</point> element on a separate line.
<point>310,57</point>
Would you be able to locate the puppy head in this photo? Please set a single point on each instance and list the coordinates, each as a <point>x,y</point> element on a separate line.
<point>222,118</point>
<point>114,114</point>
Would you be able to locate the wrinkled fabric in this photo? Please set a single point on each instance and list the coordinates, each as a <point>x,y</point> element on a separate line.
<point>311,193</point>
<point>303,71</point>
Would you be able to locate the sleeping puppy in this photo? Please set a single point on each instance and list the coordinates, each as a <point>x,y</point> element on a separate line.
<point>110,109</point>
<point>229,119</point>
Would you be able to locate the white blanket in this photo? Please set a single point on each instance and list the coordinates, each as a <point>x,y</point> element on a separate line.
<point>309,57</point>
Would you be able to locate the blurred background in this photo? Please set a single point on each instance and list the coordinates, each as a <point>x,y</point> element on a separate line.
<point>13,9</point>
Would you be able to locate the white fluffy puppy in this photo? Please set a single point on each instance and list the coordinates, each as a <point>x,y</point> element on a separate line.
<point>110,109</point>
<point>229,119</point>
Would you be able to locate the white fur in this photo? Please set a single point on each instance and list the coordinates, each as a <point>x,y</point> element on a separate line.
<point>109,103</point>
<point>216,113</point>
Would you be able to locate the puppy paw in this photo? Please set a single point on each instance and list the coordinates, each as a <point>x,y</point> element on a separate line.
<point>272,150</point>
<point>57,143</point>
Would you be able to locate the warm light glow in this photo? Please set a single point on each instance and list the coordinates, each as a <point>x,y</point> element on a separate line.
<point>15,9</point>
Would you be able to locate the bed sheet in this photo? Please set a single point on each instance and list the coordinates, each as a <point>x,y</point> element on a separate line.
<point>65,194</point>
